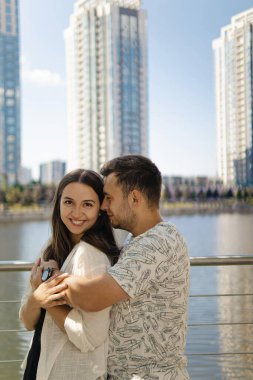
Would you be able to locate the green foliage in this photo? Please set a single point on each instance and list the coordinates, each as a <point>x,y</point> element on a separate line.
<point>28,195</point>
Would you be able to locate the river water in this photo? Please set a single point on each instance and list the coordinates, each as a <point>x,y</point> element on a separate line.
<point>206,235</point>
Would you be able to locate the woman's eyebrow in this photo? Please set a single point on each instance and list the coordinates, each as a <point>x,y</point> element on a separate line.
<point>83,200</point>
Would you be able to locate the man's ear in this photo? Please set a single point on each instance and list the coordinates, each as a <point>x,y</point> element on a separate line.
<point>135,198</point>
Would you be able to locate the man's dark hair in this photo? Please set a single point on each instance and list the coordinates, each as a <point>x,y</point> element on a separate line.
<point>136,172</point>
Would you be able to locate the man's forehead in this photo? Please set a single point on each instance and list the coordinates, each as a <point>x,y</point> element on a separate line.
<point>110,182</point>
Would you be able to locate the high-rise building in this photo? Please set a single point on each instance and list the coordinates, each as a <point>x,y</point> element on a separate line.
<point>234,100</point>
<point>52,172</point>
<point>24,175</point>
<point>106,54</point>
<point>9,91</point>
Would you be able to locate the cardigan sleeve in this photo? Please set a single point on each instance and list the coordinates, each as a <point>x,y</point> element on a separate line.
<point>25,297</point>
<point>88,330</point>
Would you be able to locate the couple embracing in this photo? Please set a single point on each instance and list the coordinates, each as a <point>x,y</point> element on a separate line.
<point>100,312</point>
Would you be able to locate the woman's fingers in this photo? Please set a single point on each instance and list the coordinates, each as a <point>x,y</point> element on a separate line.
<point>51,292</point>
<point>50,264</point>
<point>57,297</point>
<point>36,273</point>
<point>59,302</point>
<point>34,269</point>
<point>57,278</point>
<point>58,288</point>
<point>39,272</point>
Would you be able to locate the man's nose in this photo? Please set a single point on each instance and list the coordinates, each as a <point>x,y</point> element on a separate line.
<point>104,205</point>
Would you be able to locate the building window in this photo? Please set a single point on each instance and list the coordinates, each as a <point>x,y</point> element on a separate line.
<point>10,92</point>
<point>8,19</point>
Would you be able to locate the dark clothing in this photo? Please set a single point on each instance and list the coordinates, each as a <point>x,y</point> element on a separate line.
<point>34,352</point>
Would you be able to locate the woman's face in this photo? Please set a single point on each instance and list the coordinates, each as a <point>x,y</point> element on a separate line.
<point>79,209</point>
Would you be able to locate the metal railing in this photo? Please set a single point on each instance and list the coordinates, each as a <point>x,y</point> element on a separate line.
<point>17,266</point>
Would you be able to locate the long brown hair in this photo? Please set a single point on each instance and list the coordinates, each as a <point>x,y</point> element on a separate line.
<point>100,235</point>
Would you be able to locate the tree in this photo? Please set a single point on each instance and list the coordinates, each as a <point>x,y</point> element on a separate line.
<point>209,194</point>
<point>13,195</point>
<point>178,194</point>
<point>216,194</point>
<point>245,194</point>
<point>167,193</point>
<point>201,195</point>
<point>229,194</point>
<point>239,194</point>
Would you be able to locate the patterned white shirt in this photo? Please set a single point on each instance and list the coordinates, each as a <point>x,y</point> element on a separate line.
<point>148,332</point>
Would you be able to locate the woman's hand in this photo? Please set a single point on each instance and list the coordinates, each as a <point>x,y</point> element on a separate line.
<point>49,264</point>
<point>38,268</point>
<point>50,293</point>
<point>44,294</point>
<point>36,273</point>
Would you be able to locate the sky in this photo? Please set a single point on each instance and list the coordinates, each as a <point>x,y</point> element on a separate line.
<point>181,105</point>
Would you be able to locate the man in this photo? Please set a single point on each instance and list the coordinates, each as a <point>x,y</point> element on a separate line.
<point>149,285</point>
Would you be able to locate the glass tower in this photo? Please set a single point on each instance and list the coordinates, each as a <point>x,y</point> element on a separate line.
<point>233,54</point>
<point>106,55</point>
<point>9,91</point>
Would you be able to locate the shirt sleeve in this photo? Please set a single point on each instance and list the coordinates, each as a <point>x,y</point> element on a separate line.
<point>88,330</point>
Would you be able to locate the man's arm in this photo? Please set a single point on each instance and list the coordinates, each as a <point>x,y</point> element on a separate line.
<point>95,294</point>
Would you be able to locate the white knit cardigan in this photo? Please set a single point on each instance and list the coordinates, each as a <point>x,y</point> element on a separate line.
<point>81,351</point>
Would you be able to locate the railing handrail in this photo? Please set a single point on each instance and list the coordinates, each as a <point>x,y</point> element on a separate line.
<point>246,259</point>
<point>222,260</point>
<point>17,265</point>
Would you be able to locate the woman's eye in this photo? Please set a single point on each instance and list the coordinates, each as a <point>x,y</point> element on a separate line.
<point>67,202</point>
<point>88,205</point>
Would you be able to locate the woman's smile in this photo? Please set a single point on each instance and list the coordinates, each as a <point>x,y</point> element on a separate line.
<point>77,222</point>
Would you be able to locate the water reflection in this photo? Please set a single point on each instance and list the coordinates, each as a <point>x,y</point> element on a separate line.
<point>237,338</point>
<point>12,344</point>
<point>24,240</point>
<point>234,234</point>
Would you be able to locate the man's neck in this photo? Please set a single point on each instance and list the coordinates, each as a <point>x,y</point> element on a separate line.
<point>146,221</point>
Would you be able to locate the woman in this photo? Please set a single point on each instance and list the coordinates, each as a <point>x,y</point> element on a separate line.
<point>73,342</point>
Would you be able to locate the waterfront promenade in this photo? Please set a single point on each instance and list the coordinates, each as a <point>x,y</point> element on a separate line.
<point>13,214</point>
<point>24,214</point>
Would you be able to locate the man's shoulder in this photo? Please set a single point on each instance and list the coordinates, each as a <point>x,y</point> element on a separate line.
<point>163,234</point>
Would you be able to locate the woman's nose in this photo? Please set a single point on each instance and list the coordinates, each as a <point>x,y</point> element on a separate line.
<point>76,211</point>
